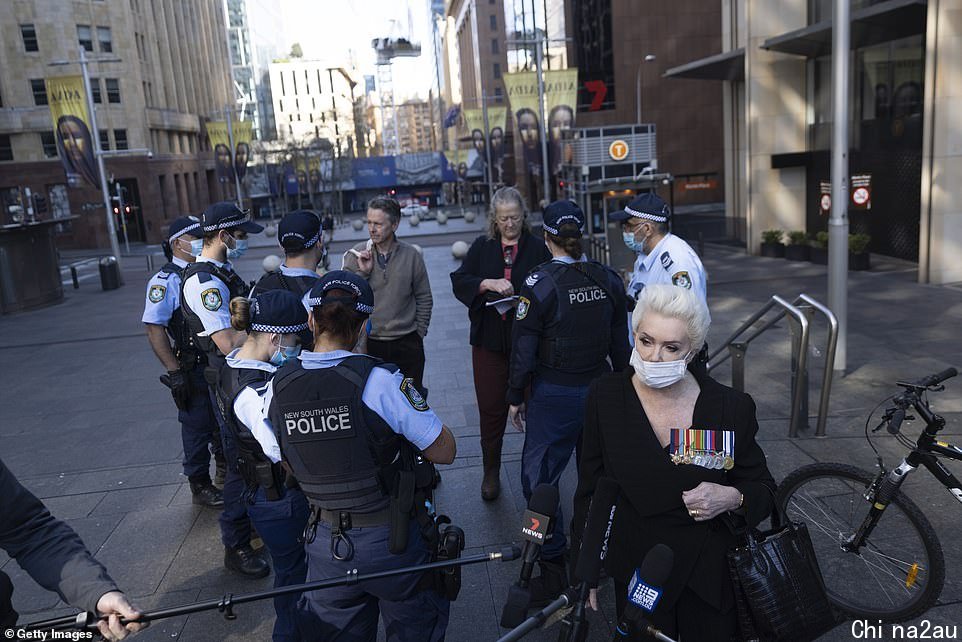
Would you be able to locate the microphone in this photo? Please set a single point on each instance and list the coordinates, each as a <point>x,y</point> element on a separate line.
<point>644,591</point>
<point>591,557</point>
<point>534,529</point>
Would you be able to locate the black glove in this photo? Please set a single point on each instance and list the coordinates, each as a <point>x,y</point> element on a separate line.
<point>179,388</point>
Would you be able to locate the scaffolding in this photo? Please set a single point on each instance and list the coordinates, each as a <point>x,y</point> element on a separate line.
<point>387,49</point>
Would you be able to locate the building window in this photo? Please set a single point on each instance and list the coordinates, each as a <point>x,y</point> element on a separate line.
<point>497,70</point>
<point>120,138</point>
<point>112,85</point>
<point>85,37</point>
<point>494,45</point>
<point>95,90</point>
<point>494,21</point>
<point>29,35</point>
<point>498,97</point>
<point>283,90</point>
<point>103,37</point>
<point>39,89</point>
<point>49,144</point>
<point>6,149</point>
<point>280,105</point>
<point>104,139</point>
<point>294,78</point>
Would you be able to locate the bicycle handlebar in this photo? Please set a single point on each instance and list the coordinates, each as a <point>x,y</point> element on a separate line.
<point>895,423</point>
<point>936,379</point>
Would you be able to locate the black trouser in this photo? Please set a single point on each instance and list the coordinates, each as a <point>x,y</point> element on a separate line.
<point>8,617</point>
<point>691,618</point>
<point>406,352</point>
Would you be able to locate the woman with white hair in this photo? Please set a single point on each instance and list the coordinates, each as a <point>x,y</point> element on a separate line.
<point>682,448</point>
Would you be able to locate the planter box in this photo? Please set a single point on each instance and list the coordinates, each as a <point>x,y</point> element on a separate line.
<point>797,252</point>
<point>859,262</point>
<point>819,255</point>
<point>773,250</point>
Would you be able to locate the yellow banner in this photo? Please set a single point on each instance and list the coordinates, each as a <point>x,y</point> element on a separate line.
<point>243,132</point>
<point>561,94</point>
<point>227,161</point>
<point>71,124</point>
<point>496,118</point>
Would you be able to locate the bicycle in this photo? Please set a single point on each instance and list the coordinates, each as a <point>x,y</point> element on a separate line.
<point>879,555</point>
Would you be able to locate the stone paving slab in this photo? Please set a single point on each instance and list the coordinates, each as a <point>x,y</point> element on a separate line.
<point>91,431</point>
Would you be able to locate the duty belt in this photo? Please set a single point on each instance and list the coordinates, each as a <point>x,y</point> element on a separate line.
<point>353,520</point>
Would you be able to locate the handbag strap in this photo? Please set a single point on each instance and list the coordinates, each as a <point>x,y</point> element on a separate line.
<point>742,529</point>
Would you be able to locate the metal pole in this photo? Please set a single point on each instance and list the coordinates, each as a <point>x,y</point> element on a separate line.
<point>838,221</point>
<point>487,148</point>
<point>123,216</point>
<point>638,93</point>
<point>544,126</point>
<point>230,139</point>
<point>98,153</point>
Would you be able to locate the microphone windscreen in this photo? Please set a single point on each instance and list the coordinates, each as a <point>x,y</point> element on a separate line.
<point>656,567</point>
<point>597,530</point>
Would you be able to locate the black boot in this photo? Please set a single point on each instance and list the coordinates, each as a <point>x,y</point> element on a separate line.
<point>552,581</point>
<point>205,494</point>
<point>246,562</point>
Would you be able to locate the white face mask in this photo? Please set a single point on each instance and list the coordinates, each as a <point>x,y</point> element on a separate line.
<point>659,374</point>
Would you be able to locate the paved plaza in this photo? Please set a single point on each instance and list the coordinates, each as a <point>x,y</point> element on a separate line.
<point>88,428</point>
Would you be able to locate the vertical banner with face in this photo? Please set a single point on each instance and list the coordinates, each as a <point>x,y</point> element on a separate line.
<point>522,88</point>
<point>243,132</point>
<point>561,95</point>
<point>71,123</point>
<point>496,119</point>
<point>474,122</point>
<point>223,157</point>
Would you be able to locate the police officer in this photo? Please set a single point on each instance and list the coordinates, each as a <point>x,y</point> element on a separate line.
<point>570,319</point>
<point>299,234</point>
<point>662,256</point>
<point>277,507</point>
<point>359,438</point>
<point>208,285</point>
<point>171,341</point>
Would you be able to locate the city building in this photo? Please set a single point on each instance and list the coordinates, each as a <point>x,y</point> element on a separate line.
<point>314,99</point>
<point>254,32</point>
<point>415,126</point>
<point>905,156</point>
<point>151,94</point>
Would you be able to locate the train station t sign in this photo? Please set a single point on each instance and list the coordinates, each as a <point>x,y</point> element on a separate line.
<point>618,150</point>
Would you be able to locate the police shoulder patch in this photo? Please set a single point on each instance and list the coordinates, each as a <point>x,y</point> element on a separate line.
<point>524,304</point>
<point>666,260</point>
<point>410,391</point>
<point>532,279</point>
<point>681,279</point>
<point>156,293</point>
<point>163,275</point>
<point>211,299</point>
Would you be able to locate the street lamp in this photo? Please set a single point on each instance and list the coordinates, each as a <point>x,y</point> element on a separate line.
<point>647,58</point>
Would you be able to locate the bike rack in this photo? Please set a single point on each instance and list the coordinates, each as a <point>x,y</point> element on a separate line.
<point>802,310</point>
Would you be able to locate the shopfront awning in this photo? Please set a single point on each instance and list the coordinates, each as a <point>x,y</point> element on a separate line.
<point>872,25</point>
<point>729,65</point>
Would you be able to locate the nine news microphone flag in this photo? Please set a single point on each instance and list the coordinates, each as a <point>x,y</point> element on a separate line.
<point>644,592</point>
<point>542,508</point>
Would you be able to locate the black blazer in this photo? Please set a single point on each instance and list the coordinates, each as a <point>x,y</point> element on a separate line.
<point>486,261</point>
<point>618,442</point>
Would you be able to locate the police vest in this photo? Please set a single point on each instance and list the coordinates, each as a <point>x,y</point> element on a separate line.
<point>277,280</point>
<point>579,338</point>
<point>177,329</point>
<point>205,271</point>
<point>339,450</point>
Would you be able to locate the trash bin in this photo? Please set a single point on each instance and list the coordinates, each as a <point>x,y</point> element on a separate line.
<point>109,273</point>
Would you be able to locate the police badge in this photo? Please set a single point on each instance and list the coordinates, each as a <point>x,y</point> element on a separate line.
<point>156,293</point>
<point>523,305</point>
<point>211,299</point>
<point>681,279</point>
<point>414,397</point>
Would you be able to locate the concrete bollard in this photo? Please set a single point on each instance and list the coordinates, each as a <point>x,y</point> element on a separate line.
<point>357,224</point>
<point>459,249</point>
<point>271,262</point>
<point>414,220</point>
<point>442,218</point>
<point>469,217</point>
<point>270,230</point>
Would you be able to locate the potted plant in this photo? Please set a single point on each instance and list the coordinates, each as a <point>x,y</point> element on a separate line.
<point>858,256</point>
<point>772,245</point>
<point>819,251</point>
<point>798,247</point>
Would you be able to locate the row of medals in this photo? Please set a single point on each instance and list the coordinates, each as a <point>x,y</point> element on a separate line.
<point>705,459</point>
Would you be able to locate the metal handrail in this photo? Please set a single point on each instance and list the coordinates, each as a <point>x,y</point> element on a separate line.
<point>800,358</point>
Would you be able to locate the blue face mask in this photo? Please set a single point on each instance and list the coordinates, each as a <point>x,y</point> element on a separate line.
<point>283,354</point>
<point>633,244</point>
<point>367,327</point>
<point>197,246</point>
<point>240,247</point>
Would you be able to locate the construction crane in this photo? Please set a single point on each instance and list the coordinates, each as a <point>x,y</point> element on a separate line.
<point>387,49</point>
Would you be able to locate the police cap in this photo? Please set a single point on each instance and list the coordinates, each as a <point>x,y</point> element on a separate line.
<point>560,213</point>
<point>362,296</point>
<point>183,225</point>
<point>278,311</point>
<point>299,230</point>
<point>226,215</point>
<point>648,206</point>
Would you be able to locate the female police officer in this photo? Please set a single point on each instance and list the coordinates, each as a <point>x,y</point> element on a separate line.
<point>276,506</point>
<point>350,429</point>
<point>571,317</point>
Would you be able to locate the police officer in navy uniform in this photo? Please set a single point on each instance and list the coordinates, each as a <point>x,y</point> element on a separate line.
<point>172,343</point>
<point>278,509</point>
<point>360,440</point>
<point>570,320</point>
<point>208,285</point>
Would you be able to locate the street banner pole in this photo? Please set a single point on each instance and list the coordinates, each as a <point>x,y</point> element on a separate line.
<point>233,148</point>
<point>838,220</point>
<point>538,53</point>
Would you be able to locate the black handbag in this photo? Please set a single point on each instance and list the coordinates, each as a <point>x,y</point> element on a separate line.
<point>779,591</point>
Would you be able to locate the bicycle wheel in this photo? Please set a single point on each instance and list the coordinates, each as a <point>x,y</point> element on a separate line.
<point>898,573</point>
